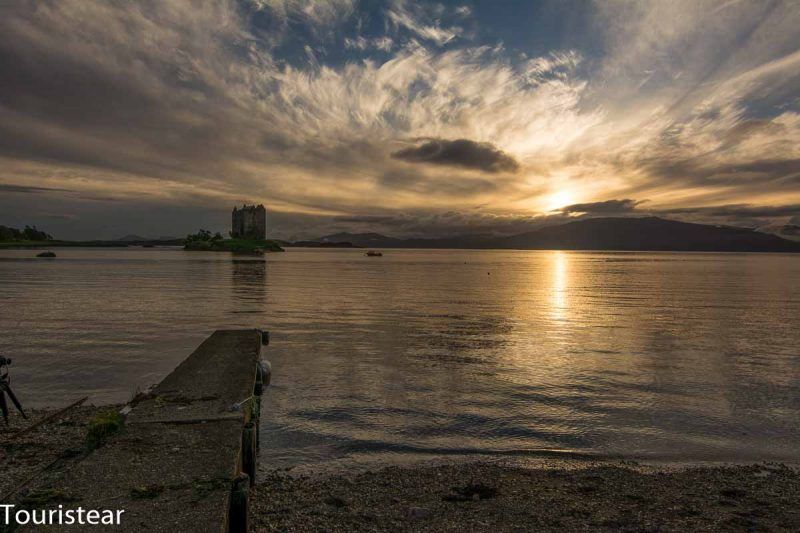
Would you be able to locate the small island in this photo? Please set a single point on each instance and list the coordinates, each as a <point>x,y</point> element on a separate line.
<point>204,241</point>
<point>248,234</point>
<point>30,237</point>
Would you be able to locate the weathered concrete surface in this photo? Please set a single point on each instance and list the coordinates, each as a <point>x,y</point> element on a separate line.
<point>220,373</point>
<point>171,467</point>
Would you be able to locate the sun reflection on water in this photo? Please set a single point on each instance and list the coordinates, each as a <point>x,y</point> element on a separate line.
<point>559,299</point>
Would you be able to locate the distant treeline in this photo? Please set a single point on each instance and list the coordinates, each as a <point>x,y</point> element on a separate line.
<point>202,236</point>
<point>30,233</point>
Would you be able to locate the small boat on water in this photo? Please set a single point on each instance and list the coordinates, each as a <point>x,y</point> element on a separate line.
<point>373,253</point>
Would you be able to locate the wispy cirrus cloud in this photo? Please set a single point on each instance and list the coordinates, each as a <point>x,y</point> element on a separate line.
<point>321,14</point>
<point>422,20</point>
<point>680,103</point>
<point>361,43</point>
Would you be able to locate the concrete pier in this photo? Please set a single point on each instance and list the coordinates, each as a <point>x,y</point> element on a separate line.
<point>187,453</point>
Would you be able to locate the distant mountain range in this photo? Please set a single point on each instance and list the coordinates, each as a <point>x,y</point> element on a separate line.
<point>139,238</point>
<point>634,234</point>
<point>132,238</point>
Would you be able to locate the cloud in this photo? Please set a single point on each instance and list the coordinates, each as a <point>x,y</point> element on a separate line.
<point>448,223</point>
<point>460,153</point>
<point>383,43</point>
<point>735,214</point>
<point>177,113</point>
<point>739,211</point>
<point>26,189</point>
<point>762,170</point>
<point>792,231</point>
<point>173,105</point>
<point>418,19</point>
<point>359,43</point>
<point>421,223</point>
<point>59,216</point>
<point>368,219</point>
<point>320,14</point>
<point>609,206</point>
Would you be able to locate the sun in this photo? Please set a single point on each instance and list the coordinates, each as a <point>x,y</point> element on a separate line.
<point>559,199</point>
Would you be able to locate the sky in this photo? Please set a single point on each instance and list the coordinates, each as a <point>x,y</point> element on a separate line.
<point>404,118</point>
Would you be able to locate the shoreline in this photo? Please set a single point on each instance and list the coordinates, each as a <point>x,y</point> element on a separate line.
<point>468,493</point>
<point>313,245</point>
<point>529,459</point>
<point>544,495</point>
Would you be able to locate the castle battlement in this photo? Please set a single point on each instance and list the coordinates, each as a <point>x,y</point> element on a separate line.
<point>249,222</point>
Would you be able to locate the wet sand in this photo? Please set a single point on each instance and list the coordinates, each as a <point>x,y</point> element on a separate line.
<point>548,495</point>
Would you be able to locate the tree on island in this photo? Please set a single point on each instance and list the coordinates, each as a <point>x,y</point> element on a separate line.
<point>204,240</point>
<point>202,236</point>
<point>30,233</point>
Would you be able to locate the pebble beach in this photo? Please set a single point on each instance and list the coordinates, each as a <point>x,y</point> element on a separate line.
<point>497,495</point>
<point>547,495</point>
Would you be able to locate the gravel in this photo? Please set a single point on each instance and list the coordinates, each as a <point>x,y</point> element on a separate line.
<point>27,462</point>
<point>465,495</point>
<point>549,495</point>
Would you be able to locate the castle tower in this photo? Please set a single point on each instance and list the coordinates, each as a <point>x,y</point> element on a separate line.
<point>249,222</point>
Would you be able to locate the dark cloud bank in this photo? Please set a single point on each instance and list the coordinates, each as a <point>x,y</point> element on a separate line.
<point>8,187</point>
<point>608,207</point>
<point>459,153</point>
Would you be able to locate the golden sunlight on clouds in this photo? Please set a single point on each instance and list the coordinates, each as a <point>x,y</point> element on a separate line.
<point>559,199</point>
<point>201,109</point>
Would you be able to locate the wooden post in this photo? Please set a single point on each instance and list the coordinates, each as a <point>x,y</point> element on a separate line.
<point>249,454</point>
<point>239,512</point>
<point>258,390</point>
<point>258,428</point>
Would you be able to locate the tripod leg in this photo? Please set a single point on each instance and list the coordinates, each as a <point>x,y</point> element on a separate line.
<point>15,402</point>
<point>3,404</point>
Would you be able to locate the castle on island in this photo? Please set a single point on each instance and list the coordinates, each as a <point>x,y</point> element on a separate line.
<point>249,222</point>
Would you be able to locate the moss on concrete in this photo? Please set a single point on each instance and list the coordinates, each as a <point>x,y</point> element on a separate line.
<point>101,427</point>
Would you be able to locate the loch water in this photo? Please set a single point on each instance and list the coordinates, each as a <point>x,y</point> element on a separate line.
<point>436,353</point>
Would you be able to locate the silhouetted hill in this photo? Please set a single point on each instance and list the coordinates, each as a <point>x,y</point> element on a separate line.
<point>649,233</point>
<point>317,244</point>
<point>634,234</point>
<point>363,240</point>
<point>132,238</point>
<point>376,240</point>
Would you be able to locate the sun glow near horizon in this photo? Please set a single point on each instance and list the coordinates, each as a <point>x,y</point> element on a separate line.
<point>559,199</point>
<point>396,126</point>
